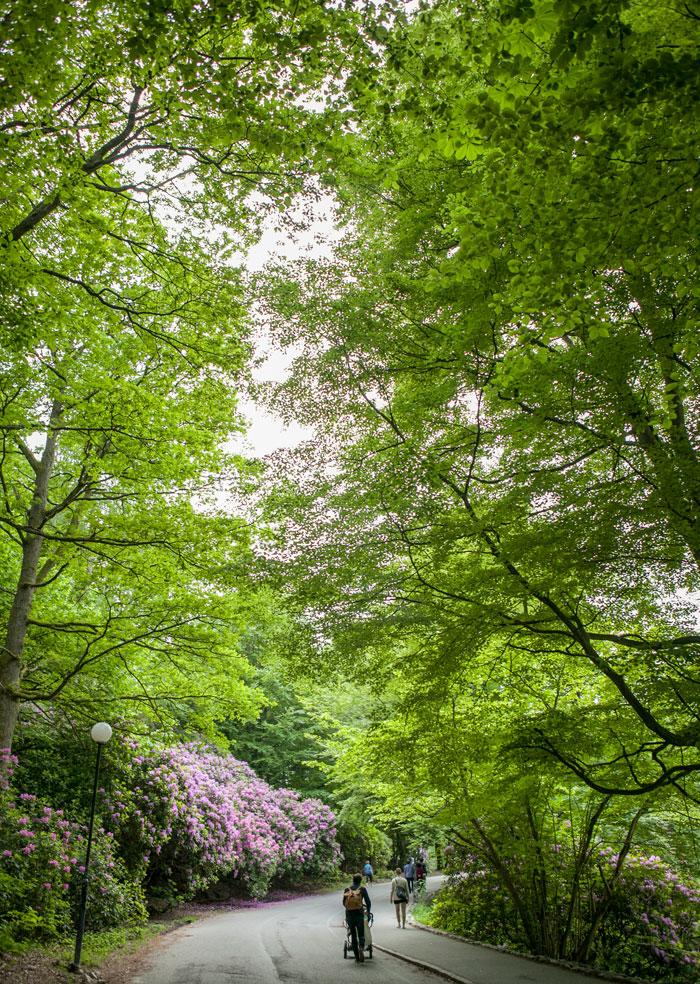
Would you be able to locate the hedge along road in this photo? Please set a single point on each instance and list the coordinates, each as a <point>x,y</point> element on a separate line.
<point>301,942</point>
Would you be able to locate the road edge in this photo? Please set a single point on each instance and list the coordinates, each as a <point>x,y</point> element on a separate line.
<point>423,964</point>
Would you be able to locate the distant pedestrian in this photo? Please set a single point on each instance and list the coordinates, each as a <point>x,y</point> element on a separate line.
<point>355,898</point>
<point>399,896</point>
<point>421,873</point>
<point>368,872</point>
<point>409,873</point>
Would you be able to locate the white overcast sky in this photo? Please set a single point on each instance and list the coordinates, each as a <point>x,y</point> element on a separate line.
<point>267,432</point>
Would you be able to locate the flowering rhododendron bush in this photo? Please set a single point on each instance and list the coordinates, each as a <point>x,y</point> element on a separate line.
<point>41,867</point>
<point>171,822</point>
<point>653,922</point>
<point>646,915</point>
<point>192,816</point>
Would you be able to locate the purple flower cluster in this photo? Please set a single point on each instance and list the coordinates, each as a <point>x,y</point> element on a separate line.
<point>8,761</point>
<point>665,909</point>
<point>193,816</point>
<point>42,860</point>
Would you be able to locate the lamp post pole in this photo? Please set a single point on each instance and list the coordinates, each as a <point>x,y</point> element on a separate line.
<point>100,734</point>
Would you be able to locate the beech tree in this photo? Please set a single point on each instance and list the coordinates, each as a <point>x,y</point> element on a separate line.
<point>140,145</point>
<point>110,457</point>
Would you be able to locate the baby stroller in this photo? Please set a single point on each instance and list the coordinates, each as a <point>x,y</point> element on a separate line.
<point>347,945</point>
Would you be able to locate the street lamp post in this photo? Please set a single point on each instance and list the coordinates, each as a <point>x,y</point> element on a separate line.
<point>100,734</point>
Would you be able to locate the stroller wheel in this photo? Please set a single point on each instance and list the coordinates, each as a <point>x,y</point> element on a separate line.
<point>369,948</point>
<point>345,951</point>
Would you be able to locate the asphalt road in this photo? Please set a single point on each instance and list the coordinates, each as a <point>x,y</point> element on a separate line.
<point>301,942</point>
<point>297,942</point>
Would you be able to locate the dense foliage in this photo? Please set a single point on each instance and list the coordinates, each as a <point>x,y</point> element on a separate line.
<point>286,744</point>
<point>555,860</point>
<point>500,364</point>
<point>140,146</point>
<point>494,527</point>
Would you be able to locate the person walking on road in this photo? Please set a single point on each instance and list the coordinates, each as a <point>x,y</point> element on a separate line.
<point>368,872</point>
<point>409,873</point>
<point>355,898</point>
<point>399,896</point>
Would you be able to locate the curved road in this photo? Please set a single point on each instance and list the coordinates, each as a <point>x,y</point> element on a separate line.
<point>301,942</point>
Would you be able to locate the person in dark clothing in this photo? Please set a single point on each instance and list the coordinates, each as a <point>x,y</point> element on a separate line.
<point>355,899</point>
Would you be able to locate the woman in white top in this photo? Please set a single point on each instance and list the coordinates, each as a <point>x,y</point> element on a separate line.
<point>399,896</point>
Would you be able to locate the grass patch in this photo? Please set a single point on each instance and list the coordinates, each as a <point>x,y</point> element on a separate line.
<point>422,912</point>
<point>98,946</point>
<point>49,963</point>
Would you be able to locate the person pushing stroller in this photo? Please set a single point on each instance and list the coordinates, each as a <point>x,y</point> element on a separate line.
<point>355,900</point>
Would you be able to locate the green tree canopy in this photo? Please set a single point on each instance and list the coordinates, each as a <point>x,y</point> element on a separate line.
<point>501,365</point>
<point>141,144</point>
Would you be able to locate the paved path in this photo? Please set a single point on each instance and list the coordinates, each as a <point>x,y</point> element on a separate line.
<point>301,942</point>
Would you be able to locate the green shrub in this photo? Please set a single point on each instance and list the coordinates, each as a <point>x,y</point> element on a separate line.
<point>360,841</point>
<point>478,908</point>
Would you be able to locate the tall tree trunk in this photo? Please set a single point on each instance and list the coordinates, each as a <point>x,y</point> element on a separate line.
<point>32,543</point>
<point>544,916</point>
<point>527,918</point>
<point>580,862</point>
<point>598,917</point>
